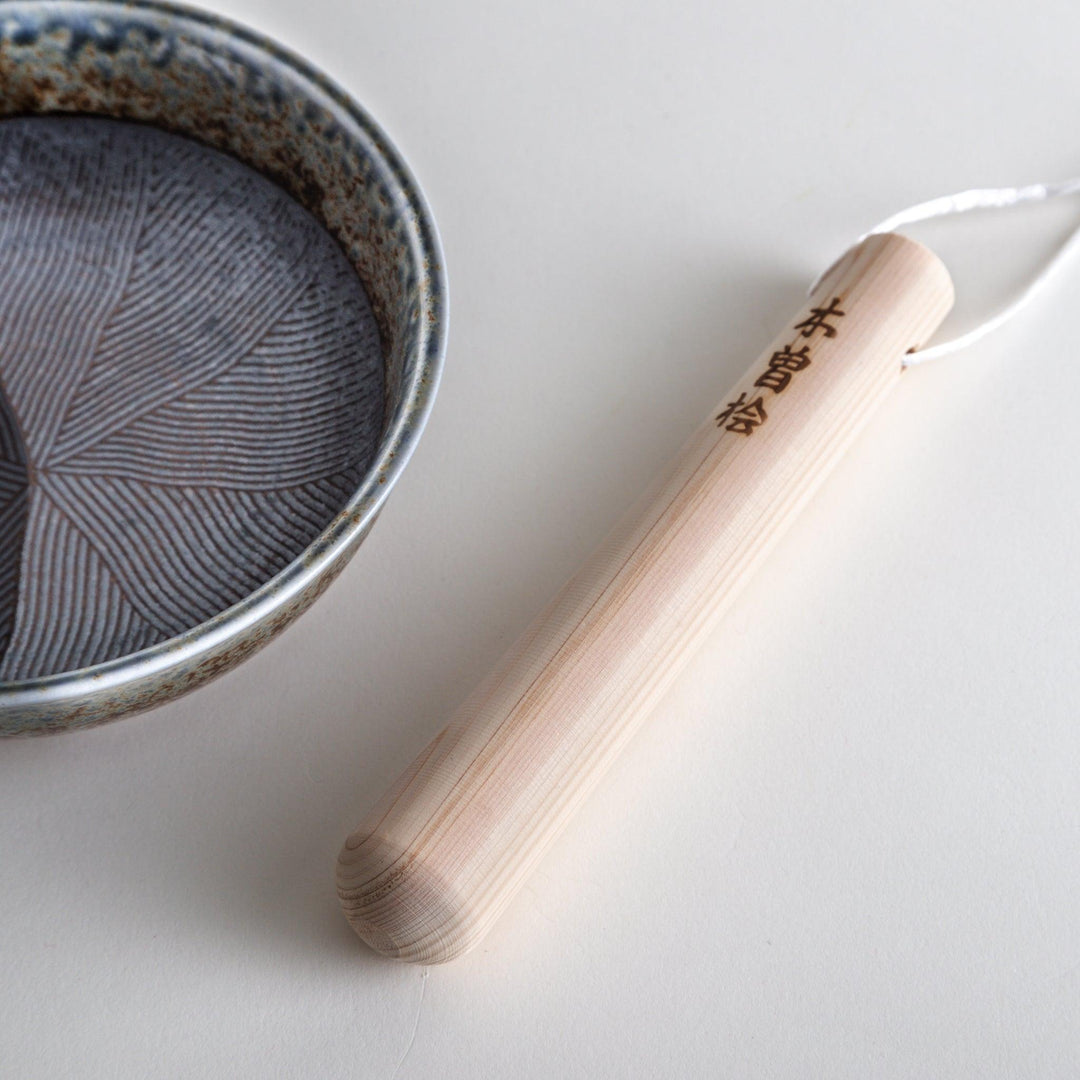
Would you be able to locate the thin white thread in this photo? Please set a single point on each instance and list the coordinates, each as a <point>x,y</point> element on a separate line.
<point>982,199</point>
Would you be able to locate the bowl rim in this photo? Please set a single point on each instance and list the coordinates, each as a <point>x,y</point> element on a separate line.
<point>402,431</point>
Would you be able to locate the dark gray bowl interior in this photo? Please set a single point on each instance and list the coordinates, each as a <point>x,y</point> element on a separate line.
<point>191,387</point>
<point>222,322</point>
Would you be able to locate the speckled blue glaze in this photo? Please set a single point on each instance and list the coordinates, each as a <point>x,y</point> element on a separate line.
<point>199,75</point>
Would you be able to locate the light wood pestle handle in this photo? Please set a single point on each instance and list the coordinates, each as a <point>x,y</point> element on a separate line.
<point>440,857</point>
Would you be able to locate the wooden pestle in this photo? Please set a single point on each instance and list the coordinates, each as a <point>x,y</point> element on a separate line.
<point>449,845</point>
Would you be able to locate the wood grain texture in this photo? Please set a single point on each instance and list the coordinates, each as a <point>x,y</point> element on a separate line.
<point>446,849</point>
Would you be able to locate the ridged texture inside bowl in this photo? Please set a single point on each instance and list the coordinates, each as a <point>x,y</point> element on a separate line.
<point>192,382</point>
<point>195,74</point>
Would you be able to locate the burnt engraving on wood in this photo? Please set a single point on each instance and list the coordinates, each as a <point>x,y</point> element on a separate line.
<point>742,417</point>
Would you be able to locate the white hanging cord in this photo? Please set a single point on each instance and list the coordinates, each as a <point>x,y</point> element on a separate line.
<point>983,199</point>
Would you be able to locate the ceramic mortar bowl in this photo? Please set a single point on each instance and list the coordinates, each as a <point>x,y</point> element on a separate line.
<point>222,323</point>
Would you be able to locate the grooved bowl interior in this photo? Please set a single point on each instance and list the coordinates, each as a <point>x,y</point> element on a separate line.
<point>222,320</point>
<point>190,387</point>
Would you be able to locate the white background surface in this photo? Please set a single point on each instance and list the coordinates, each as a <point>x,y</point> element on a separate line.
<point>849,843</point>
